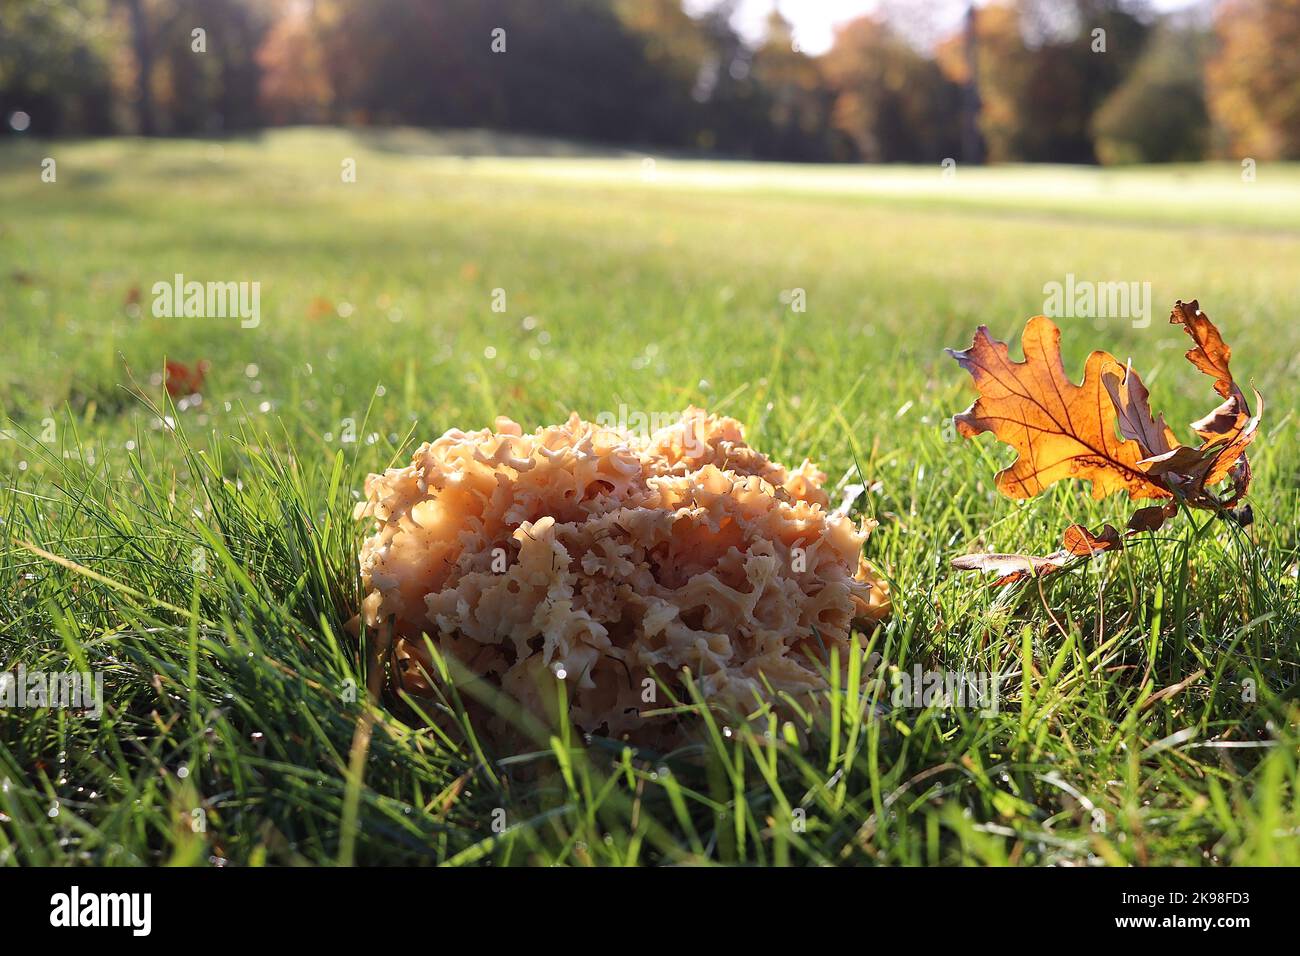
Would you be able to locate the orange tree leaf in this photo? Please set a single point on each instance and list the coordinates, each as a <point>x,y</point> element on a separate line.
<point>1060,430</point>
<point>1228,448</point>
<point>1210,353</point>
<point>1228,430</point>
<point>1152,517</point>
<point>1081,542</point>
<point>1132,404</point>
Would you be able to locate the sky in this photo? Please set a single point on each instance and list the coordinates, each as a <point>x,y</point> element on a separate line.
<point>814,20</point>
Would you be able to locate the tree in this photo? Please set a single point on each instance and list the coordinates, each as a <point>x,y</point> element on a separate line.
<point>672,50</point>
<point>1001,64</point>
<point>54,65</point>
<point>142,45</point>
<point>891,101</point>
<point>295,85</point>
<point>799,102</point>
<point>1044,67</point>
<point>1158,114</point>
<point>1253,80</point>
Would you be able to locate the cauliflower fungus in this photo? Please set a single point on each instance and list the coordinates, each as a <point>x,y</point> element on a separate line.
<point>608,560</point>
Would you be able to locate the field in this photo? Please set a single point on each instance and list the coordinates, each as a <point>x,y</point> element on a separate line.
<point>204,558</point>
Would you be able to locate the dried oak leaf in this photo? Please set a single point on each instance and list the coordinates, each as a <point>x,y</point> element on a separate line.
<point>182,380</point>
<point>1225,432</point>
<point>1060,430</point>
<point>1133,413</point>
<point>1082,543</point>
<point>1011,568</point>
<point>1078,542</point>
<point>1210,353</point>
<point>1229,429</point>
<point>1150,518</point>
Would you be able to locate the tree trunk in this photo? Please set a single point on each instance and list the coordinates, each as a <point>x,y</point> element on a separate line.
<point>144,66</point>
<point>972,143</point>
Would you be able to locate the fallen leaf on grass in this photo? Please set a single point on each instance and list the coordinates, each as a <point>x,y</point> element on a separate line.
<point>1060,429</point>
<point>1077,542</point>
<point>1081,542</point>
<point>319,308</point>
<point>185,380</point>
<point>1010,567</point>
<point>1151,518</point>
<point>1105,432</point>
<point>1210,353</point>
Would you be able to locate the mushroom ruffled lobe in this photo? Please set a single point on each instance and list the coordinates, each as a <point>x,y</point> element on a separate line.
<point>615,559</point>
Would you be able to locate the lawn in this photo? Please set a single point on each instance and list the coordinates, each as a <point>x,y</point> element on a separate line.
<point>204,558</point>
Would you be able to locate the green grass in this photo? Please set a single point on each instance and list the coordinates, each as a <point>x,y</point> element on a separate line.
<point>207,566</point>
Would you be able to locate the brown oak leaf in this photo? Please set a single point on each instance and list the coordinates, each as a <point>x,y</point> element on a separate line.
<point>1011,568</point>
<point>1230,428</point>
<point>1078,542</point>
<point>1151,518</point>
<point>1061,430</point>
<point>1082,543</point>
<point>1210,353</point>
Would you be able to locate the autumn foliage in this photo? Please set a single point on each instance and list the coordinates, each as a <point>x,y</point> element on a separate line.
<point>1104,431</point>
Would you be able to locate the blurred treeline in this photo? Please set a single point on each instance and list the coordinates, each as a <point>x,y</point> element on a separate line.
<point>1009,80</point>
